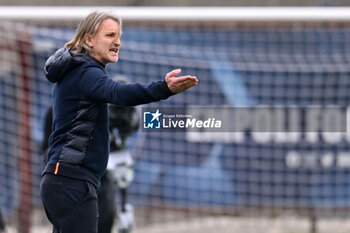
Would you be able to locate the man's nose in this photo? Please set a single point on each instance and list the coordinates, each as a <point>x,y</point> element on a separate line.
<point>117,42</point>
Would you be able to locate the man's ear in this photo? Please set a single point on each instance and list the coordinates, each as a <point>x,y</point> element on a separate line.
<point>89,41</point>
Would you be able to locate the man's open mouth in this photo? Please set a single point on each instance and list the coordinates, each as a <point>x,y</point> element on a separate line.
<point>114,50</point>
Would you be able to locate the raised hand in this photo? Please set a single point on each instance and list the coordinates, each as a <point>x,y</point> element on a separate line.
<point>181,83</point>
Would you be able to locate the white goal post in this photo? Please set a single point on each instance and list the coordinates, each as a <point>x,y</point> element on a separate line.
<point>181,13</point>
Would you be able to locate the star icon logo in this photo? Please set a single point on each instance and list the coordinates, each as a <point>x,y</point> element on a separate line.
<point>151,119</point>
<point>156,115</point>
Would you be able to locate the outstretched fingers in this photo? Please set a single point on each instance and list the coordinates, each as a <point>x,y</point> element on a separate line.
<point>186,78</point>
<point>173,73</point>
<point>182,83</point>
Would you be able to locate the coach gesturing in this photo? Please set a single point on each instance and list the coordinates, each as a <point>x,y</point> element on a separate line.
<point>78,146</point>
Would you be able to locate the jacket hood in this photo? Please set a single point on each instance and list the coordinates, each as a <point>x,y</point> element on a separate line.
<point>61,63</point>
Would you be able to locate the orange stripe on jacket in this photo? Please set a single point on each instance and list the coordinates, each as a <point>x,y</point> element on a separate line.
<point>56,170</point>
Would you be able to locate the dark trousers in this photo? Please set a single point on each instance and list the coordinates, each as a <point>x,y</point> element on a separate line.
<point>106,203</point>
<point>70,204</point>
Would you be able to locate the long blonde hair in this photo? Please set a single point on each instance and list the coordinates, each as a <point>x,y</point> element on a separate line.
<point>89,26</point>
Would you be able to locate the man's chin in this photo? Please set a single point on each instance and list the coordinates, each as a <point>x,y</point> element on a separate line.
<point>114,60</point>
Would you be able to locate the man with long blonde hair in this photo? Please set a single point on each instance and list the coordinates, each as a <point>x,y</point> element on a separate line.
<point>78,145</point>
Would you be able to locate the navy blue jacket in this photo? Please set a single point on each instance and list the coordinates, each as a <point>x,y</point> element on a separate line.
<point>79,142</point>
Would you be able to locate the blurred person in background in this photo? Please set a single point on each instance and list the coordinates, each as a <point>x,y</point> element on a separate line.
<point>79,144</point>
<point>2,223</point>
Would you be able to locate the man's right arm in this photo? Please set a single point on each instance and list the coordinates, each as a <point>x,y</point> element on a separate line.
<point>95,85</point>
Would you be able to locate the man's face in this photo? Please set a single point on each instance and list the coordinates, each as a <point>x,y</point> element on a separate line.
<point>105,44</point>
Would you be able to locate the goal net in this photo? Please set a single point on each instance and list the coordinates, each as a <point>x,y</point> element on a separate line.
<point>289,62</point>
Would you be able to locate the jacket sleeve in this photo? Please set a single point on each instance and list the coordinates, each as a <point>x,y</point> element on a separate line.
<point>95,85</point>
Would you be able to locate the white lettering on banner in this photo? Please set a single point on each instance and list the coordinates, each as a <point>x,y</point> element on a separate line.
<point>265,125</point>
<point>343,160</point>
<point>312,160</point>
